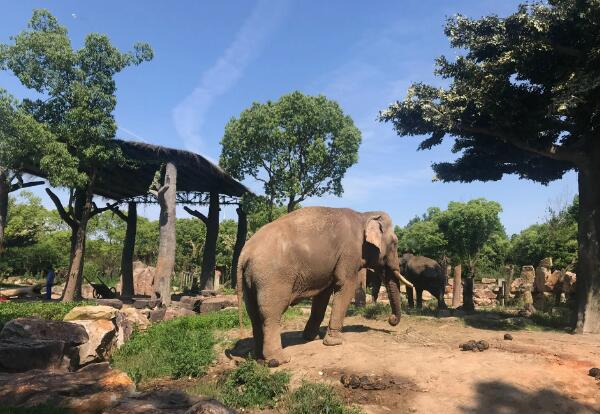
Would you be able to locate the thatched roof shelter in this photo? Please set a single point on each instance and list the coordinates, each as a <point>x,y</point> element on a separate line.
<point>195,173</point>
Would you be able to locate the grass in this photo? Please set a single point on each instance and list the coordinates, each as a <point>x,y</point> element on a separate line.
<point>45,310</point>
<point>312,398</point>
<point>182,347</point>
<point>251,385</point>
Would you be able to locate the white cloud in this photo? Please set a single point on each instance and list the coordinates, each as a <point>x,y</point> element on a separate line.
<point>189,114</point>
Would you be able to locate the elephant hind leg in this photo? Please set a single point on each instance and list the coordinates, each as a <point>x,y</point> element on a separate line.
<point>254,315</point>
<point>419,298</point>
<point>410,297</point>
<point>271,309</point>
<point>317,314</point>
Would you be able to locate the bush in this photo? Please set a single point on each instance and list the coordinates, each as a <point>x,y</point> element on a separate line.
<point>317,398</point>
<point>45,310</point>
<point>252,385</point>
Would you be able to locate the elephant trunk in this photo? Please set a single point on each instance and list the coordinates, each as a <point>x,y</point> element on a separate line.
<point>393,290</point>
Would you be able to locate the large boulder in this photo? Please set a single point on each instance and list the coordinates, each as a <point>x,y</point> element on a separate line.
<point>168,402</point>
<point>102,341</point>
<point>528,274</point>
<point>92,389</point>
<point>91,313</point>
<point>24,355</point>
<point>552,280</point>
<point>217,303</point>
<point>22,329</point>
<point>143,279</point>
<point>173,312</point>
<point>129,320</point>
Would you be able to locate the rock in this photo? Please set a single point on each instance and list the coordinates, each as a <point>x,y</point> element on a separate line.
<point>594,372</point>
<point>517,285</point>
<point>143,279</point>
<point>472,345</point>
<point>546,262</point>
<point>484,294</point>
<point>191,302</point>
<point>30,354</point>
<point>101,344</point>
<point>167,402</point>
<point>542,274</point>
<point>91,313</point>
<point>129,320</point>
<point>208,292</point>
<point>173,312</point>
<point>90,390</point>
<point>114,303</point>
<point>21,292</point>
<point>525,313</point>
<point>508,337</point>
<point>21,329</point>
<point>488,281</point>
<point>528,274</point>
<point>217,303</point>
<point>87,291</point>
<point>552,281</point>
<point>157,315</point>
<point>146,303</point>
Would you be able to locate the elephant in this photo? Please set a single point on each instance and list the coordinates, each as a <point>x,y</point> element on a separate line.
<point>313,252</point>
<point>424,273</point>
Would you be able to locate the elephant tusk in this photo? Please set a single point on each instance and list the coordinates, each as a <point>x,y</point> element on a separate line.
<point>403,279</point>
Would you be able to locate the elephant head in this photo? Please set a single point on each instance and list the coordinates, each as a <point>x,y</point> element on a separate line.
<point>380,252</point>
<point>404,259</point>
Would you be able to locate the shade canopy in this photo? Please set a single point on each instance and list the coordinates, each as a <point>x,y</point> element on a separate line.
<point>195,173</point>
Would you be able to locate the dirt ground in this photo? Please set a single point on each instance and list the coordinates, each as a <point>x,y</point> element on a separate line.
<point>424,371</point>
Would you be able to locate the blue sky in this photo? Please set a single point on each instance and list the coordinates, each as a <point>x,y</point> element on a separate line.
<point>213,59</point>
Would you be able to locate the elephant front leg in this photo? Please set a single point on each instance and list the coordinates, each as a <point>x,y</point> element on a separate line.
<point>410,297</point>
<point>419,298</point>
<point>341,300</point>
<point>317,313</point>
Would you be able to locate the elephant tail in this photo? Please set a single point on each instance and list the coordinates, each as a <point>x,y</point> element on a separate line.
<point>239,290</point>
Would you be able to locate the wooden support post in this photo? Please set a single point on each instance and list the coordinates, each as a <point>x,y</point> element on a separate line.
<point>4,190</point>
<point>240,240</point>
<point>166,249</point>
<point>210,247</point>
<point>509,279</point>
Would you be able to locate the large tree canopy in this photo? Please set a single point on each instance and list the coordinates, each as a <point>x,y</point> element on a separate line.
<point>523,98</point>
<point>298,147</point>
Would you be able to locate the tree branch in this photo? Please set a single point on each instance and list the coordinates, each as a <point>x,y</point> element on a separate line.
<point>120,214</point>
<point>97,210</point>
<point>61,210</point>
<point>555,152</point>
<point>196,214</point>
<point>20,186</point>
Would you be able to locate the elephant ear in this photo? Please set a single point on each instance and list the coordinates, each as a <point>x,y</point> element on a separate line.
<point>374,232</point>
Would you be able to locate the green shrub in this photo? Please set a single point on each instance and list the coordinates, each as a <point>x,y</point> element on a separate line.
<point>370,311</point>
<point>317,398</point>
<point>252,385</point>
<point>45,310</point>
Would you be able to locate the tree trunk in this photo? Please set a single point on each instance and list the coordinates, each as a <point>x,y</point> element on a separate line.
<point>127,290</point>
<point>165,264</point>
<point>456,289</point>
<point>4,190</point>
<point>291,205</point>
<point>468,304</point>
<point>588,266</point>
<point>83,210</point>
<point>509,279</point>
<point>240,240</point>
<point>210,246</point>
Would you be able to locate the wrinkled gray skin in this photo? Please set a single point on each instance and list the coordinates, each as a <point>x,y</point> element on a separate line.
<point>313,253</point>
<point>425,274</point>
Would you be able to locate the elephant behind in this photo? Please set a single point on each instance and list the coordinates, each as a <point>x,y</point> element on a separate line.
<point>313,253</point>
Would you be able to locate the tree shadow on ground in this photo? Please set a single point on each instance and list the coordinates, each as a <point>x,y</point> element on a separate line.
<point>505,321</point>
<point>497,397</point>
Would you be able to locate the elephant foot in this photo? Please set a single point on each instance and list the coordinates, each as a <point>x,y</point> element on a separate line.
<point>277,358</point>
<point>333,338</point>
<point>310,334</point>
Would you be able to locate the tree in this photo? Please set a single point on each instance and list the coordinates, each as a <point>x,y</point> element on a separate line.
<point>522,99</point>
<point>77,98</point>
<point>422,237</point>
<point>22,138</point>
<point>298,147</point>
<point>467,227</point>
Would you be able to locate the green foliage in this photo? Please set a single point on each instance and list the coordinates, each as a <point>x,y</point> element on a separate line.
<point>508,104</point>
<point>251,385</point>
<point>422,237</point>
<point>312,398</point>
<point>468,226</point>
<point>300,146</point>
<point>26,221</point>
<point>556,238</point>
<point>45,310</point>
<point>370,311</point>
<point>261,212</point>
<point>77,93</point>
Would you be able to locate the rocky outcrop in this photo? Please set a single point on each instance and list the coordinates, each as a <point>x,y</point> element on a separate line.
<point>143,279</point>
<point>34,328</point>
<point>102,341</point>
<point>168,402</point>
<point>92,389</point>
<point>91,313</point>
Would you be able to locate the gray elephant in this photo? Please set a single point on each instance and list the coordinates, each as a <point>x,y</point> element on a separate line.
<point>424,273</point>
<point>314,252</point>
